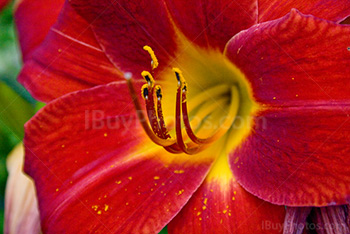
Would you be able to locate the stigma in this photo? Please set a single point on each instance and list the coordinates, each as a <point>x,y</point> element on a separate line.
<point>184,138</point>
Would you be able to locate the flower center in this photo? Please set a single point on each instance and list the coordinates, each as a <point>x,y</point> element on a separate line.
<point>184,136</point>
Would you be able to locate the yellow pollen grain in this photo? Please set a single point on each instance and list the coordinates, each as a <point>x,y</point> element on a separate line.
<point>292,78</point>
<point>233,198</point>
<point>204,207</point>
<point>99,212</point>
<point>106,207</point>
<point>156,178</point>
<point>105,135</point>
<point>205,201</point>
<point>130,178</point>
<point>200,219</point>
<point>274,98</point>
<point>180,192</point>
<point>127,203</point>
<point>95,207</point>
<point>224,211</point>
<point>118,182</point>
<point>112,166</point>
<point>211,190</point>
<point>234,192</point>
<point>63,146</point>
<point>296,95</point>
<point>179,171</point>
<point>57,190</point>
<point>199,213</point>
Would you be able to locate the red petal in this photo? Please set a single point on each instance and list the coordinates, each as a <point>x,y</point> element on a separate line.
<point>297,156</point>
<point>297,152</point>
<point>124,27</point>
<point>335,10</point>
<point>213,23</point>
<point>221,205</point>
<point>34,20</point>
<point>297,60</point>
<point>104,175</point>
<point>70,59</point>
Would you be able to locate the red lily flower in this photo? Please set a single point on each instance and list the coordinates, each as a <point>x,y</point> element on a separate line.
<point>277,82</point>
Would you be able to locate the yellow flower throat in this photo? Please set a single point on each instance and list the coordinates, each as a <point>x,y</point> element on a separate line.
<point>220,100</point>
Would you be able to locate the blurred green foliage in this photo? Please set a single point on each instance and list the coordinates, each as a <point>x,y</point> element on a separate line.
<point>16,105</point>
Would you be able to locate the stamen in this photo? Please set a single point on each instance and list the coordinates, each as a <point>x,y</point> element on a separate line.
<point>180,79</point>
<point>154,62</point>
<point>162,124</point>
<point>209,94</point>
<point>142,119</point>
<point>233,109</point>
<point>188,149</point>
<point>148,77</point>
<point>147,94</point>
<point>157,130</point>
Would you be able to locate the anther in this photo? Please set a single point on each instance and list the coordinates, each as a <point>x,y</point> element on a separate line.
<point>180,79</point>
<point>145,92</point>
<point>154,62</point>
<point>148,77</point>
<point>159,92</point>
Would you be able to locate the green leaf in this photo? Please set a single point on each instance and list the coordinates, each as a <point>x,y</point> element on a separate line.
<point>14,112</point>
<point>164,231</point>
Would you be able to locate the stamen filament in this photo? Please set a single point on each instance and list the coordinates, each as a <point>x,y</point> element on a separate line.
<point>151,112</point>
<point>209,93</point>
<point>208,108</point>
<point>162,124</point>
<point>233,109</point>
<point>142,119</point>
<point>178,128</point>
